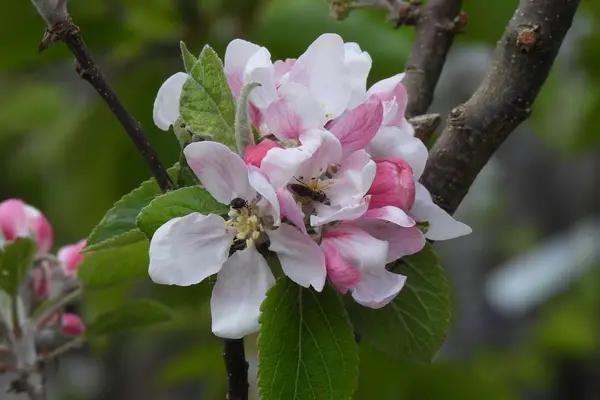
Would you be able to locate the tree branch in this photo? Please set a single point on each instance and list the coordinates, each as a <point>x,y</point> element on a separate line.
<point>64,30</point>
<point>237,369</point>
<point>438,23</point>
<point>478,127</point>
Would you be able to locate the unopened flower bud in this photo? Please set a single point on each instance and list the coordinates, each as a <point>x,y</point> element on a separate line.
<point>71,257</point>
<point>394,185</point>
<point>18,219</point>
<point>72,325</point>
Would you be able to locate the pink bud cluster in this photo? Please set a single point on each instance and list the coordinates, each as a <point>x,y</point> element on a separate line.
<point>50,278</point>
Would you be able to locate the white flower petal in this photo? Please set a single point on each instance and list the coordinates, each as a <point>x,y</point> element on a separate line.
<point>391,214</point>
<point>377,288</point>
<point>237,57</point>
<point>441,224</point>
<point>282,164</point>
<point>352,180</point>
<point>186,250</point>
<point>222,172</point>
<point>166,104</point>
<point>402,241</point>
<point>358,64</point>
<point>392,141</point>
<point>261,184</point>
<point>328,152</point>
<point>301,258</point>
<point>325,214</point>
<point>241,287</point>
<point>321,68</point>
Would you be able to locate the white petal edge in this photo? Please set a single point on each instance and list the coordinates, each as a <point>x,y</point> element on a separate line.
<point>186,250</point>
<point>222,172</point>
<point>166,104</point>
<point>240,289</point>
<point>442,226</point>
<point>301,257</point>
<point>377,288</point>
<point>261,184</point>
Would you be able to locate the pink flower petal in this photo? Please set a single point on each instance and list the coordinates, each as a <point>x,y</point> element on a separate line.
<point>254,153</point>
<point>357,127</point>
<point>392,92</point>
<point>342,274</point>
<point>295,111</point>
<point>290,209</point>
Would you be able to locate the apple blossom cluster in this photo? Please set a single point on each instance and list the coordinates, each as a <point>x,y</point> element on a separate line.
<point>330,185</point>
<point>30,319</point>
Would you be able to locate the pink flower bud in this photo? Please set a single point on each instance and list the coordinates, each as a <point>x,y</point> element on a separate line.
<point>342,274</point>
<point>72,325</point>
<point>254,153</point>
<point>394,184</point>
<point>71,257</point>
<point>18,219</point>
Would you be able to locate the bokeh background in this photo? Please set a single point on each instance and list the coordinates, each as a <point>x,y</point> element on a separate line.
<point>526,283</point>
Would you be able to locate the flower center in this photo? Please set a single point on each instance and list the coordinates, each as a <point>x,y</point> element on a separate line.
<point>246,224</point>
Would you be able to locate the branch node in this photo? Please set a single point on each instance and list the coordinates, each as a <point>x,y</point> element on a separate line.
<point>425,125</point>
<point>527,37</point>
<point>408,13</point>
<point>457,25</point>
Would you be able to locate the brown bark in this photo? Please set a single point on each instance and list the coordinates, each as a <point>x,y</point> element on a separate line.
<point>477,128</point>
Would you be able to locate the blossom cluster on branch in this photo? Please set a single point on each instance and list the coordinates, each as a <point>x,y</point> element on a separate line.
<point>328,183</point>
<point>33,318</point>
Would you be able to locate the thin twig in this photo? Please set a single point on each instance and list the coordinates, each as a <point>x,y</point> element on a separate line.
<point>438,23</point>
<point>53,308</point>
<point>478,127</point>
<point>68,346</point>
<point>67,32</point>
<point>237,369</point>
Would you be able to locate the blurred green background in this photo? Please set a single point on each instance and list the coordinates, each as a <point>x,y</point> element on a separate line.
<point>62,151</point>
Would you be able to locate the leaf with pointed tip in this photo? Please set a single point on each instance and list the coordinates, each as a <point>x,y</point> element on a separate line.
<point>177,203</point>
<point>188,58</point>
<point>206,104</point>
<point>307,347</point>
<point>414,325</point>
<point>118,226</point>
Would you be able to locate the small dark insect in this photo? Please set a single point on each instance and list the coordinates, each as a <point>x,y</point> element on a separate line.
<point>238,203</point>
<point>304,191</point>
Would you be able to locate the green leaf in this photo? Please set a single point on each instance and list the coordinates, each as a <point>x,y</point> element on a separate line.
<point>15,260</point>
<point>307,348</point>
<point>112,266</point>
<point>414,325</point>
<point>129,316</point>
<point>188,58</point>
<point>206,102</point>
<point>118,226</point>
<point>177,203</point>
